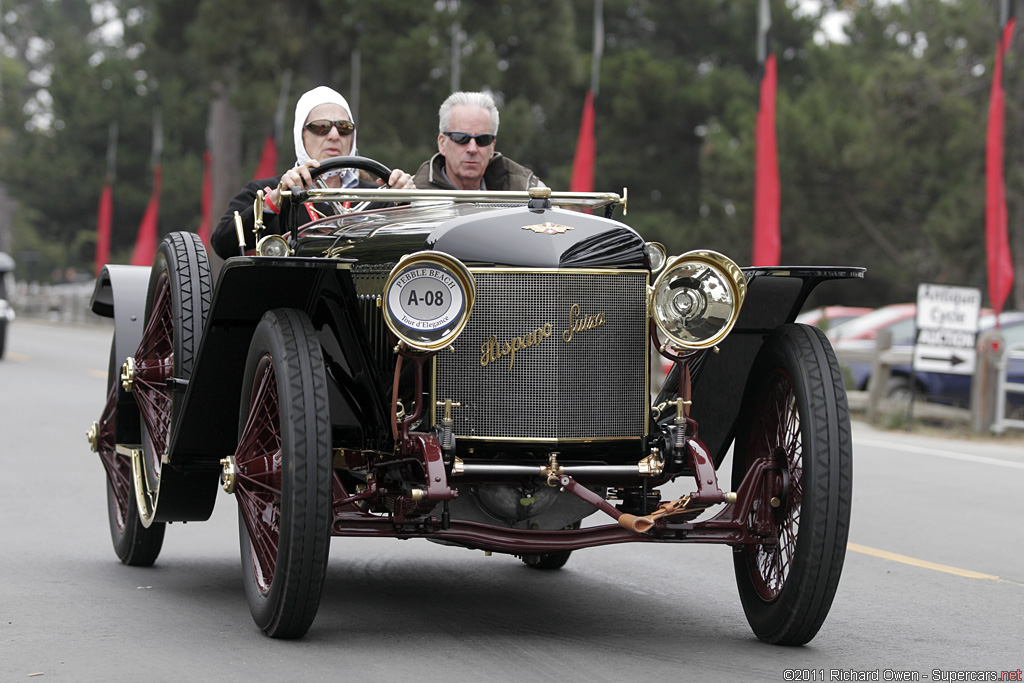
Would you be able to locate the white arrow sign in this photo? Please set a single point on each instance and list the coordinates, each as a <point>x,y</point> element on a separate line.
<point>947,326</point>
<point>944,359</point>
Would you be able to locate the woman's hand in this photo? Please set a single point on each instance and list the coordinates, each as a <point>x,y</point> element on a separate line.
<point>296,176</point>
<point>399,180</point>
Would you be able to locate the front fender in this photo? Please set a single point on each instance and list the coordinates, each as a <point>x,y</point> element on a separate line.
<point>774,297</point>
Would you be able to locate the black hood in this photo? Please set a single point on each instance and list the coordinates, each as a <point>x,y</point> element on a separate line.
<point>540,238</point>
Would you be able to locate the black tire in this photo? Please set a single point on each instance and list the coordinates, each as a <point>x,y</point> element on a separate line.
<point>177,305</point>
<point>550,560</point>
<point>284,487</point>
<point>135,545</point>
<point>3,337</point>
<point>794,413</point>
<point>900,390</point>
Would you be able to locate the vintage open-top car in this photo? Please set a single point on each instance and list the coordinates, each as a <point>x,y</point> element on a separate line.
<point>474,368</point>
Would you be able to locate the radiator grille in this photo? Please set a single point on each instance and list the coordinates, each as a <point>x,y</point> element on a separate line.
<point>592,387</point>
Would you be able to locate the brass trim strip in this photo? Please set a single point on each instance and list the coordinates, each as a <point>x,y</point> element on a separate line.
<point>591,199</point>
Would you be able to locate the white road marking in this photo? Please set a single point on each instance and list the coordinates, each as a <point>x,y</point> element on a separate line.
<point>952,455</point>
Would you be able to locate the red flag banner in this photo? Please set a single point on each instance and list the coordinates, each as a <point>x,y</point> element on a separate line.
<point>767,243</point>
<point>997,246</point>
<point>583,163</point>
<point>205,201</point>
<point>103,221</point>
<point>145,243</point>
<point>267,167</point>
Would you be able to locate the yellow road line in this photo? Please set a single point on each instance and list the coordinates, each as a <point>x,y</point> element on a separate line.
<point>924,564</point>
<point>102,374</point>
<point>18,357</point>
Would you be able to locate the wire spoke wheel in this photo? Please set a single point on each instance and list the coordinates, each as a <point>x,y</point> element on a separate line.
<point>778,502</point>
<point>794,418</point>
<point>284,475</point>
<point>177,304</point>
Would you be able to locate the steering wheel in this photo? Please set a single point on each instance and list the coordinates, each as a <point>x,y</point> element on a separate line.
<point>360,163</point>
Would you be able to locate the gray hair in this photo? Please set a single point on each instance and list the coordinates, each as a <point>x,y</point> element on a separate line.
<point>473,99</point>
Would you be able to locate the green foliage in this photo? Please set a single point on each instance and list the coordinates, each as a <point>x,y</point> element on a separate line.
<point>881,137</point>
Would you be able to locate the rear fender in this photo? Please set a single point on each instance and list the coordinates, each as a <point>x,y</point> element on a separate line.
<point>120,294</point>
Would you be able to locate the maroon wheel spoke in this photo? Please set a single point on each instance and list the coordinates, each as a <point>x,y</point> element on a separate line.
<point>258,488</point>
<point>268,480</point>
<point>158,337</point>
<point>155,408</point>
<point>154,363</point>
<point>780,429</point>
<point>262,520</point>
<point>261,436</point>
<point>118,467</point>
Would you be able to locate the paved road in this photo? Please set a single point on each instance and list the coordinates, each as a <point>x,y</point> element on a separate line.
<point>934,579</point>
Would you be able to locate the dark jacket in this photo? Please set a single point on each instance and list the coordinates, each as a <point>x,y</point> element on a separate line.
<point>224,239</point>
<point>501,174</point>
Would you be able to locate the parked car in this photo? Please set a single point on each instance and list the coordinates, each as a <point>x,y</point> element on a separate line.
<point>6,312</point>
<point>473,368</point>
<point>860,332</point>
<point>828,317</point>
<point>941,387</point>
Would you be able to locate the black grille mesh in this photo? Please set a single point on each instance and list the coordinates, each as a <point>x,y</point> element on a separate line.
<point>589,388</point>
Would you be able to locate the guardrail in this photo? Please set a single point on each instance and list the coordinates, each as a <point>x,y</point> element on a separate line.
<point>1003,387</point>
<point>68,303</point>
<point>987,411</point>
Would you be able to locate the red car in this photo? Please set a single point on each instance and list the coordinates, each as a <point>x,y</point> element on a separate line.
<point>857,332</point>
<point>827,317</point>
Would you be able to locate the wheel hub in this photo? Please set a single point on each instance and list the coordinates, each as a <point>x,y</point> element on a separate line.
<point>229,473</point>
<point>128,374</point>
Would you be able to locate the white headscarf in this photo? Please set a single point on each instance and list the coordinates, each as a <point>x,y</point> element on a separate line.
<point>314,98</point>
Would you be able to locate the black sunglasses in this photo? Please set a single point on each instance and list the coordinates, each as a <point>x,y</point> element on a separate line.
<point>482,140</point>
<point>323,126</point>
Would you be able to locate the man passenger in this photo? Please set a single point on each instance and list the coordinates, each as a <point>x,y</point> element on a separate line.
<point>466,158</point>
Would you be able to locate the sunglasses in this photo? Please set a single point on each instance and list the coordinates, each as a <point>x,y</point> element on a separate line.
<point>323,127</point>
<point>482,140</point>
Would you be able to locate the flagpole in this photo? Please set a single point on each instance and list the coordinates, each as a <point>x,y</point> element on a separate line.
<point>997,247</point>
<point>282,105</point>
<point>582,179</point>
<point>598,47</point>
<point>111,151</point>
<point>158,137</point>
<point>357,73</point>
<point>767,242</point>
<point>104,217</point>
<point>266,165</point>
<point>146,239</point>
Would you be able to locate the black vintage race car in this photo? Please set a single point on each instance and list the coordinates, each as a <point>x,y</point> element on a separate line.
<point>475,369</point>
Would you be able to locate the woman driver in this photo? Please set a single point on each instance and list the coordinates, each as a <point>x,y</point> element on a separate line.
<point>323,129</point>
